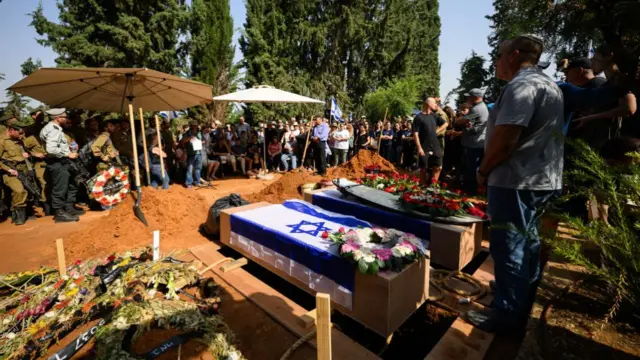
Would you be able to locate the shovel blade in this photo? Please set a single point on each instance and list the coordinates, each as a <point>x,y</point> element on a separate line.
<point>137,211</point>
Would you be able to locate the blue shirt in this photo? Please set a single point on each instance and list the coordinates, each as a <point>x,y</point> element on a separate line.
<point>577,98</point>
<point>321,131</point>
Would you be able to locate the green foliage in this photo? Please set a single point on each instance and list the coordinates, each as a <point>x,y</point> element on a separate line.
<point>211,54</point>
<point>400,97</point>
<point>617,238</point>
<point>16,103</point>
<point>330,48</point>
<point>124,33</point>
<point>472,75</point>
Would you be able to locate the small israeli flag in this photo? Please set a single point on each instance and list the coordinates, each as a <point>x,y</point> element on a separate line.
<point>335,110</point>
<point>592,51</point>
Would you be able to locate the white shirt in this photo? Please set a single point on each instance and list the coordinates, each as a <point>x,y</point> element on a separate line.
<point>341,144</point>
<point>55,143</point>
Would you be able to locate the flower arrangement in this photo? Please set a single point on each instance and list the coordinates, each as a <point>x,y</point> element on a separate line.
<point>372,169</point>
<point>377,249</point>
<point>436,199</point>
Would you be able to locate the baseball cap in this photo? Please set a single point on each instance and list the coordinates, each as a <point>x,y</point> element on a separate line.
<point>581,62</point>
<point>475,92</point>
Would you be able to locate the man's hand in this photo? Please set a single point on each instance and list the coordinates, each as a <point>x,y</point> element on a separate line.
<point>579,123</point>
<point>39,155</point>
<point>481,179</point>
<point>421,152</point>
<point>26,155</point>
<point>13,172</point>
<point>105,158</point>
<point>72,155</point>
<point>315,139</point>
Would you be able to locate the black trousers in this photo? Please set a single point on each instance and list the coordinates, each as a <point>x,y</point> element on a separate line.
<point>63,185</point>
<point>320,154</point>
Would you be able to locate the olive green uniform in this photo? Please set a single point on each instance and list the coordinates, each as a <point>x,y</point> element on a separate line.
<point>122,142</point>
<point>10,151</point>
<point>33,145</point>
<point>102,147</point>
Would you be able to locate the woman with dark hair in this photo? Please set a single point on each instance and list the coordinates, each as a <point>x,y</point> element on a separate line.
<point>363,140</point>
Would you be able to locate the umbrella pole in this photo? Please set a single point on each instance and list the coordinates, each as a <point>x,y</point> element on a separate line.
<point>160,146</point>
<point>136,207</point>
<point>144,148</point>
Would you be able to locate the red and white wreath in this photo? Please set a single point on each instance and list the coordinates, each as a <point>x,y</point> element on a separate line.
<point>116,174</point>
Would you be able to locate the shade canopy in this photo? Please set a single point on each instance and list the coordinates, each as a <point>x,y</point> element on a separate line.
<point>268,94</point>
<point>112,89</point>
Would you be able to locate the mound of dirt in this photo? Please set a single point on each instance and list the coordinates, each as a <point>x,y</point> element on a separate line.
<point>175,212</point>
<point>287,187</point>
<point>354,168</point>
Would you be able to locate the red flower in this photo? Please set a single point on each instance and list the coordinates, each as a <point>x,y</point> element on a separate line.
<point>458,192</point>
<point>325,235</point>
<point>58,284</point>
<point>434,181</point>
<point>390,189</point>
<point>79,280</point>
<point>359,181</point>
<point>111,258</point>
<point>341,230</point>
<point>444,184</point>
<point>99,183</point>
<point>415,179</point>
<point>78,262</point>
<point>452,206</point>
<point>464,199</point>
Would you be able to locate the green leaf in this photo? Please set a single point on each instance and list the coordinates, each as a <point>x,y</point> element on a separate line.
<point>363,266</point>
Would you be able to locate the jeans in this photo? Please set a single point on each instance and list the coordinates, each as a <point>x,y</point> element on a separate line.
<point>339,156</point>
<point>156,177</point>
<point>515,246</point>
<point>472,159</point>
<point>284,161</point>
<point>194,165</point>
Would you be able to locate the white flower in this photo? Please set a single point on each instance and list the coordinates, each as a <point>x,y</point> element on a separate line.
<point>6,321</point>
<point>73,286</point>
<point>50,314</point>
<point>233,356</point>
<point>152,292</point>
<point>121,323</point>
<point>10,335</point>
<point>364,235</point>
<point>379,232</point>
<point>357,255</point>
<point>48,288</point>
<point>128,254</point>
<point>380,186</point>
<point>401,251</point>
<point>64,318</point>
<point>65,277</point>
<point>369,257</point>
<point>62,297</point>
<point>429,199</point>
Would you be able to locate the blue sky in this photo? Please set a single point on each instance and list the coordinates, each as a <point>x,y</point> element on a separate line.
<point>464,28</point>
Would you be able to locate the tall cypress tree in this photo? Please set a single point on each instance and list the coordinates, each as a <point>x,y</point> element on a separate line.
<point>211,52</point>
<point>124,33</point>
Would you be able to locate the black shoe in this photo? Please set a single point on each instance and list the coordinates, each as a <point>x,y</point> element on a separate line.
<point>72,210</point>
<point>47,209</point>
<point>63,216</point>
<point>20,216</point>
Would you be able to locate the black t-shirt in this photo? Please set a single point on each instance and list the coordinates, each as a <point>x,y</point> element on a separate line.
<point>594,83</point>
<point>270,133</point>
<point>397,137</point>
<point>362,139</point>
<point>425,125</point>
<point>387,133</point>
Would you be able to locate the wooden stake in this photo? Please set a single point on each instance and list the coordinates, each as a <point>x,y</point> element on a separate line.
<point>62,264</point>
<point>308,319</point>
<point>234,265</point>
<point>160,146</point>
<point>144,148</point>
<point>136,164</point>
<point>306,146</point>
<point>156,245</point>
<point>323,326</point>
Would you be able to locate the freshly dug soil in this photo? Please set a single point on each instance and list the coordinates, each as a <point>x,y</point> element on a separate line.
<point>288,187</point>
<point>174,212</point>
<point>354,168</point>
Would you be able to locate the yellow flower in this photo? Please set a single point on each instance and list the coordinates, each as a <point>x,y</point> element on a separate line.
<point>71,292</point>
<point>124,262</point>
<point>35,327</point>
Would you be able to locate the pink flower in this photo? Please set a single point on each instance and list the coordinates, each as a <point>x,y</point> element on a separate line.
<point>382,254</point>
<point>349,247</point>
<point>409,244</point>
<point>341,230</point>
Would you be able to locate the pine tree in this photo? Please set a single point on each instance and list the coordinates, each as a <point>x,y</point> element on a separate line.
<point>211,53</point>
<point>473,74</point>
<point>16,103</point>
<point>124,33</point>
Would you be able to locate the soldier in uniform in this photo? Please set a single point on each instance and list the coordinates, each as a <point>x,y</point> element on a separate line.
<point>34,146</point>
<point>168,142</point>
<point>102,148</point>
<point>12,160</point>
<point>122,141</point>
<point>59,155</point>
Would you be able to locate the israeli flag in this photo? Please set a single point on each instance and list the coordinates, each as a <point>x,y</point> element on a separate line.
<point>169,114</point>
<point>350,117</point>
<point>592,51</point>
<point>335,110</point>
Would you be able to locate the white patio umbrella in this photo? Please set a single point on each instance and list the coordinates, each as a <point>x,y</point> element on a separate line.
<point>266,94</point>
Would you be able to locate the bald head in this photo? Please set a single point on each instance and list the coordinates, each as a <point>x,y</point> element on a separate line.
<point>429,105</point>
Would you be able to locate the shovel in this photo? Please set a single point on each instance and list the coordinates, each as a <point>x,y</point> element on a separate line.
<point>304,154</point>
<point>136,207</point>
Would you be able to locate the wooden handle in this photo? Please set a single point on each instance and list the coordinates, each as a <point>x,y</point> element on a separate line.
<point>62,264</point>
<point>306,144</point>
<point>144,148</point>
<point>323,326</point>
<point>160,146</point>
<point>136,166</point>
<point>380,137</point>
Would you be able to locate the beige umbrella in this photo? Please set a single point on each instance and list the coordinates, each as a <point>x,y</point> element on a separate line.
<point>114,90</point>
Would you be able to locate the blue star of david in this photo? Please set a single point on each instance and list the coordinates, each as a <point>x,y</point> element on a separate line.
<point>297,228</point>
